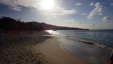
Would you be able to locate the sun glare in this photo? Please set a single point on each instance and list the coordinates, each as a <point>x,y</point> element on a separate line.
<point>50,31</point>
<point>47,4</point>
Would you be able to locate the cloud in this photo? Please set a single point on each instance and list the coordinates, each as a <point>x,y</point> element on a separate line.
<point>96,11</point>
<point>61,11</point>
<point>16,4</point>
<point>111,4</point>
<point>84,14</point>
<point>70,21</point>
<point>92,4</point>
<point>107,19</point>
<point>78,4</point>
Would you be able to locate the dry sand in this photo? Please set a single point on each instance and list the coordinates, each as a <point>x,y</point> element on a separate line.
<point>16,48</point>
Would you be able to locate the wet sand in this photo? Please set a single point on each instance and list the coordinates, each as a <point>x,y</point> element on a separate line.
<point>57,55</point>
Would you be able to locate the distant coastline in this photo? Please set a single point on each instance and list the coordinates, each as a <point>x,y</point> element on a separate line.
<point>10,24</point>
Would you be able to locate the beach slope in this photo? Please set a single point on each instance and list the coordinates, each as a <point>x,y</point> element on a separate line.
<point>55,53</point>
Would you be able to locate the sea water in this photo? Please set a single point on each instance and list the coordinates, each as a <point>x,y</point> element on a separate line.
<point>88,52</point>
<point>104,37</point>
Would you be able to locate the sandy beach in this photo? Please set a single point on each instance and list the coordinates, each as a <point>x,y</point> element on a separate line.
<point>57,55</point>
<point>33,48</point>
<point>16,47</point>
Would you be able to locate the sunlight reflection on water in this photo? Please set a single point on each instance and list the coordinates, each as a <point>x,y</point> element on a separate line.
<point>52,32</point>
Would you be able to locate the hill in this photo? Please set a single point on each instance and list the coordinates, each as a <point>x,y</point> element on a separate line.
<point>10,24</point>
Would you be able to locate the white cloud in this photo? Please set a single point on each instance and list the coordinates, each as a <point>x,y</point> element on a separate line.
<point>78,4</point>
<point>70,21</point>
<point>16,4</point>
<point>111,4</point>
<point>61,11</point>
<point>96,11</point>
<point>107,19</point>
<point>92,4</point>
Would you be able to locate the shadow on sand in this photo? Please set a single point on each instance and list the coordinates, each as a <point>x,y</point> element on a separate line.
<point>17,48</point>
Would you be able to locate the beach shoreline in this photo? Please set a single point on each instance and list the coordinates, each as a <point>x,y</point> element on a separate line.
<point>33,48</point>
<point>37,48</point>
<point>57,55</point>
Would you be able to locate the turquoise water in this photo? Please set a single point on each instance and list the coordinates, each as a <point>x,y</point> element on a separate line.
<point>104,37</point>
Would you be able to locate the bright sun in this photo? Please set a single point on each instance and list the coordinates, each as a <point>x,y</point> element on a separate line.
<point>47,4</point>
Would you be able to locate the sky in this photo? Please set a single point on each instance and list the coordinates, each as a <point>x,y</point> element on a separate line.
<point>91,14</point>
